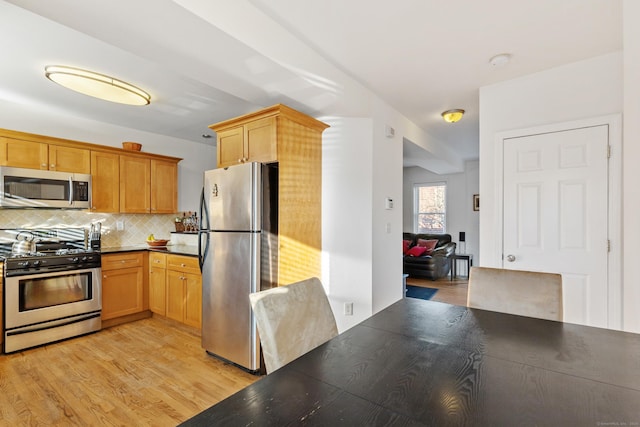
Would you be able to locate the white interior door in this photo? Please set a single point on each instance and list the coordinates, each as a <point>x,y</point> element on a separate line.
<point>555,214</point>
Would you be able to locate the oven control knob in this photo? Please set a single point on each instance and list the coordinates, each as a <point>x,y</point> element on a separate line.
<point>75,259</point>
<point>84,258</point>
<point>23,264</point>
<point>36,263</point>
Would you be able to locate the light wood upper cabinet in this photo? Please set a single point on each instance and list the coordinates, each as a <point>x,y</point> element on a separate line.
<point>135,184</point>
<point>122,181</point>
<point>24,154</point>
<point>294,140</point>
<point>230,148</point>
<point>164,186</point>
<point>251,142</point>
<point>69,159</point>
<point>39,155</point>
<point>148,185</point>
<point>105,182</point>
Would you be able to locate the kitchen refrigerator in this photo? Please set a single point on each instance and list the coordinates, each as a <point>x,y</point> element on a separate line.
<point>238,256</point>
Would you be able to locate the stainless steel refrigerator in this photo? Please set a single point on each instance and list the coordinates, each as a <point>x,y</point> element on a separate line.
<point>238,256</point>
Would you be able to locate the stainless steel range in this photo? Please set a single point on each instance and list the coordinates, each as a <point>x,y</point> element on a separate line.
<point>52,292</point>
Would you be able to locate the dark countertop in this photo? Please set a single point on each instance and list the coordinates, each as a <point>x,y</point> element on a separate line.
<point>186,250</point>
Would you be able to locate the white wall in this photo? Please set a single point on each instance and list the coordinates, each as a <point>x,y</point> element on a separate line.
<point>347,240</point>
<point>631,173</point>
<point>196,157</point>
<point>387,223</point>
<point>580,90</point>
<point>460,214</point>
<point>361,238</point>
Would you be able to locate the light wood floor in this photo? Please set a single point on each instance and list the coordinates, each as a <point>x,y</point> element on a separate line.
<point>149,372</point>
<point>452,292</point>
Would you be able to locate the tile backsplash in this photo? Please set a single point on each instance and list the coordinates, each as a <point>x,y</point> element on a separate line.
<point>136,226</point>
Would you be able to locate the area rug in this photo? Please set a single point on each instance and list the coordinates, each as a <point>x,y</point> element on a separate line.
<point>420,292</point>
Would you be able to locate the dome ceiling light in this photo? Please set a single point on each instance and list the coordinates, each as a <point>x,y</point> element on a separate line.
<point>452,116</point>
<point>97,85</point>
<point>500,60</point>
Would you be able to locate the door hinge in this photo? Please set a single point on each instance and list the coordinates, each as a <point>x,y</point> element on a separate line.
<point>608,151</point>
<point>608,245</point>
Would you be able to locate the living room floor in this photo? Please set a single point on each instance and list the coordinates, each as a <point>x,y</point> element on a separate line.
<point>449,291</point>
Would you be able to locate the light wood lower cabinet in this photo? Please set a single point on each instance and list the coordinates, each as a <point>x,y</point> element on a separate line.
<point>184,290</point>
<point>158,283</point>
<point>1,307</point>
<point>175,288</point>
<point>122,284</point>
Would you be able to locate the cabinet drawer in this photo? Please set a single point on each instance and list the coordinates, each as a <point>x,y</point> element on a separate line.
<point>183,263</point>
<point>122,260</point>
<point>157,260</point>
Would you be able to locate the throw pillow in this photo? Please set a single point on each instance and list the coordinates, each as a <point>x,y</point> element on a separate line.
<point>430,245</point>
<point>405,246</point>
<point>416,251</point>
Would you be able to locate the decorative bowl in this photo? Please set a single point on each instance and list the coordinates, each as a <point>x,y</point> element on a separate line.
<point>132,146</point>
<point>157,242</point>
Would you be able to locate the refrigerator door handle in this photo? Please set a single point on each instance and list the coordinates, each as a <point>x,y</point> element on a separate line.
<point>202,254</point>
<point>204,213</point>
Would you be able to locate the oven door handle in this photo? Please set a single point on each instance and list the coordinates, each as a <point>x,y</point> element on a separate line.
<point>54,324</point>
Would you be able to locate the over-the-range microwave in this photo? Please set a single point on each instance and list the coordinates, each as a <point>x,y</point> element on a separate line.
<point>33,188</point>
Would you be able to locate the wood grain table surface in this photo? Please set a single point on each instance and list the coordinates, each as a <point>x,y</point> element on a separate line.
<point>427,363</point>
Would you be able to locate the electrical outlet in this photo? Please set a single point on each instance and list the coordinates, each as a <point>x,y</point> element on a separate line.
<point>348,309</point>
<point>119,225</point>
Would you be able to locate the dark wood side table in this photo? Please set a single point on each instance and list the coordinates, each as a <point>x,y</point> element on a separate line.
<point>454,264</point>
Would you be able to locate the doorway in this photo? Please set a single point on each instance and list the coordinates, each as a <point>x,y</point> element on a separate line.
<point>558,213</point>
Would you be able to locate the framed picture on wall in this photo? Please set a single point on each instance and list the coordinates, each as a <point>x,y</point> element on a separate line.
<point>476,202</point>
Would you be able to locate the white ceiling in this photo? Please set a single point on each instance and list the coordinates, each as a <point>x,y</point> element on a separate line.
<point>205,61</point>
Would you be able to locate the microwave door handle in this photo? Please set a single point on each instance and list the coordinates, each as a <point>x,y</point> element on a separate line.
<point>70,190</point>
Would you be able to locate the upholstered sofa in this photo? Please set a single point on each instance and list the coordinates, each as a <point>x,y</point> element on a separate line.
<point>434,265</point>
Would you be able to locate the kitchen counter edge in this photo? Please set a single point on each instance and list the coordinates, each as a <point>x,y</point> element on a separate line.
<point>186,250</point>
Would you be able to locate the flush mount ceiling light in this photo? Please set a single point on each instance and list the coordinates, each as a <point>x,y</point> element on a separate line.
<point>452,116</point>
<point>97,85</point>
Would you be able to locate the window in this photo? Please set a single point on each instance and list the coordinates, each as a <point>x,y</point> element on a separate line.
<point>430,208</point>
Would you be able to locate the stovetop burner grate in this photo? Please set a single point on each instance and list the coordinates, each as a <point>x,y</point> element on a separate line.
<point>57,249</point>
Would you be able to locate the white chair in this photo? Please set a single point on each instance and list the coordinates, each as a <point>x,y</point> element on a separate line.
<point>525,293</point>
<point>292,320</point>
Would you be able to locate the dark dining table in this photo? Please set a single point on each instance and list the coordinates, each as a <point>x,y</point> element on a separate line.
<point>427,363</point>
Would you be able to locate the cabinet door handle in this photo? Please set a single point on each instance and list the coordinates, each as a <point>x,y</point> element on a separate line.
<point>53,166</point>
<point>104,277</point>
<point>183,265</point>
<point>43,165</point>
